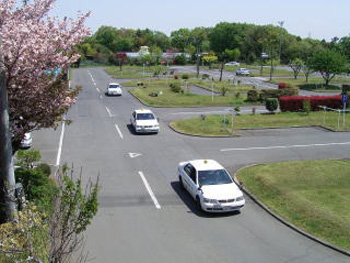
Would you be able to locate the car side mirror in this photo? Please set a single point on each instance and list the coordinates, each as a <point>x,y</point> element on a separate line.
<point>157,119</point>
<point>241,185</point>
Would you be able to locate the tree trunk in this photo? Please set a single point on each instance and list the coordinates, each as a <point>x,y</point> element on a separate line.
<point>7,178</point>
<point>221,69</point>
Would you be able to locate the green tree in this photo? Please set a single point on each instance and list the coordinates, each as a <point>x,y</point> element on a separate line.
<point>296,65</point>
<point>329,63</point>
<point>210,59</point>
<point>226,56</point>
<point>156,53</point>
<point>181,38</point>
<point>198,36</point>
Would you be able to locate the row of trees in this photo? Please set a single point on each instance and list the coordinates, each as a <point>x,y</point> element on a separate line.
<point>250,40</point>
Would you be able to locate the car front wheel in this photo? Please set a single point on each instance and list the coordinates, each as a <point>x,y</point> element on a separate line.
<point>198,204</point>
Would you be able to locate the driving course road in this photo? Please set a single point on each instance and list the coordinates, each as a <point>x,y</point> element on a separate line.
<point>144,216</point>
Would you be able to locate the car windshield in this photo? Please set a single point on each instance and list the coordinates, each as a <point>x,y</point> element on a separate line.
<point>213,177</point>
<point>145,116</point>
<point>113,86</point>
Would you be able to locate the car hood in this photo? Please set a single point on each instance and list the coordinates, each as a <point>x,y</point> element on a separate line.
<point>146,122</point>
<point>223,191</point>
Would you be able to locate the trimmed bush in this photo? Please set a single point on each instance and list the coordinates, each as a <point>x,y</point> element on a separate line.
<point>271,104</point>
<point>282,85</point>
<point>185,76</point>
<point>205,76</point>
<point>277,93</point>
<point>175,87</point>
<point>253,95</point>
<point>296,103</point>
<point>37,186</point>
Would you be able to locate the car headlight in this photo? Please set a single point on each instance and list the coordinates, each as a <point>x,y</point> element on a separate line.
<point>240,198</point>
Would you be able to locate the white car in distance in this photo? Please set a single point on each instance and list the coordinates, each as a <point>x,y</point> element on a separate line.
<point>144,121</point>
<point>232,63</point>
<point>114,89</point>
<point>211,186</point>
<point>27,141</point>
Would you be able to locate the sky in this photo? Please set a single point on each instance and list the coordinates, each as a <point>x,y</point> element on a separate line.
<point>319,19</point>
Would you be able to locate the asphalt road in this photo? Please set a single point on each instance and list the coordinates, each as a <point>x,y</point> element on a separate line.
<point>144,216</point>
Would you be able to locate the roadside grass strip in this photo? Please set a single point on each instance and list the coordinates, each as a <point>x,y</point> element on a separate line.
<point>312,195</point>
<point>222,125</point>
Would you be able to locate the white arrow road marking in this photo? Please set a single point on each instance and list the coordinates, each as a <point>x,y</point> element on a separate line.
<point>284,146</point>
<point>134,155</point>
<point>149,189</point>
<point>119,132</point>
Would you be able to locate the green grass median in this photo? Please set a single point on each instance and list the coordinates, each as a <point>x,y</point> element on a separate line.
<point>312,195</point>
<point>221,125</point>
<point>158,93</point>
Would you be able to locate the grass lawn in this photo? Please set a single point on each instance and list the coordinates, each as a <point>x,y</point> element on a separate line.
<point>131,72</point>
<point>309,194</point>
<point>220,125</point>
<point>235,95</point>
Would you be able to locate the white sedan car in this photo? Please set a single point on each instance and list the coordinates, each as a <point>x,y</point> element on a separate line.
<point>211,186</point>
<point>243,72</point>
<point>114,89</point>
<point>144,121</point>
<point>232,63</point>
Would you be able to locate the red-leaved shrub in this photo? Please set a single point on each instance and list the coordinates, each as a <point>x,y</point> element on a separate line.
<point>294,103</point>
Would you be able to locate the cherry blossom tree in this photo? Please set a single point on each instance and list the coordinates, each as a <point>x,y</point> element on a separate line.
<point>36,51</point>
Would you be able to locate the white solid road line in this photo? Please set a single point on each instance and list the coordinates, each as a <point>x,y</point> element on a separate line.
<point>93,81</point>
<point>109,112</point>
<point>285,146</point>
<point>60,144</point>
<point>119,132</point>
<point>149,189</point>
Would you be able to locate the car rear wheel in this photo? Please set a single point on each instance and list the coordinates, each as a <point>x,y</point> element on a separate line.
<point>181,182</point>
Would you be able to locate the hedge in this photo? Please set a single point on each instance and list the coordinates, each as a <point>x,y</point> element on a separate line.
<point>294,103</point>
<point>277,93</point>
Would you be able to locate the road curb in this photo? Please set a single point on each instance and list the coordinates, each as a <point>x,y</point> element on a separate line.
<point>282,220</point>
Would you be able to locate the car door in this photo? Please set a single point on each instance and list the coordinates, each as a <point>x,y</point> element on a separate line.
<point>190,181</point>
<point>133,119</point>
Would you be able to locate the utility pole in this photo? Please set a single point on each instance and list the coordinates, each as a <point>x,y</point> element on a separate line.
<point>7,178</point>
<point>281,23</point>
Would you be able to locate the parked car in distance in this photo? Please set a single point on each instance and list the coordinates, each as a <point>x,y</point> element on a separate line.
<point>144,121</point>
<point>27,141</point>
<point>114,89</point>
<point>210,185</point>
<point>243,72</point>
<point>232,63</point>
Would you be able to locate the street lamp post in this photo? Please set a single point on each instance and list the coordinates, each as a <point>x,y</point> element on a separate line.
<point>281,27</point>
